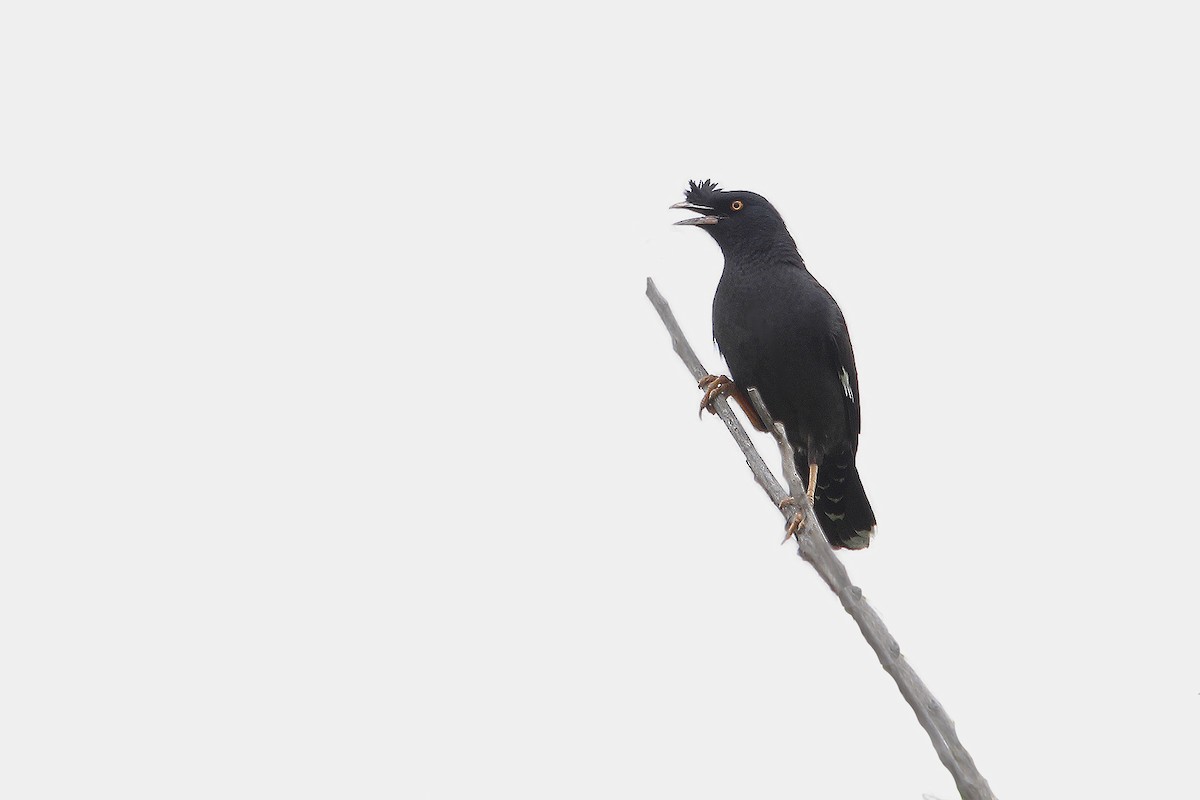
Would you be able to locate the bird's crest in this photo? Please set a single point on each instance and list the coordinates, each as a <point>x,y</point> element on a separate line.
<point>702,193</point>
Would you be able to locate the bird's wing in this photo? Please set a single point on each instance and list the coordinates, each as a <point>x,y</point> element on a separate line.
<point>848,375</point>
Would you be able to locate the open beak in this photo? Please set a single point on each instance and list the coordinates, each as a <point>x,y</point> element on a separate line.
<point>707,219</point>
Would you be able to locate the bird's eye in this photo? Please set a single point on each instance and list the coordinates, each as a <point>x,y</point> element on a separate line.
<point>736,205</point>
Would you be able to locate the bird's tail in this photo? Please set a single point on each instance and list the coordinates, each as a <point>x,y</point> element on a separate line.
<point>841,503</point>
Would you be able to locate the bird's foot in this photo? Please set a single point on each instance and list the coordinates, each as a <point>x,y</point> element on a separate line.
<point>795,523</point>
<point>714,386</point>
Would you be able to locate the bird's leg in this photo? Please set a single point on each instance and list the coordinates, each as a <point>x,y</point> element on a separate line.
<point>716,385</point>
<point>812,482</point>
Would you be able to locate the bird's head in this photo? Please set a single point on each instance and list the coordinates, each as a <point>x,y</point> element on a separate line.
<point>732,218</point>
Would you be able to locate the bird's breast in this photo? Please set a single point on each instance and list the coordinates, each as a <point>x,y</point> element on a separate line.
<point>775,335</point>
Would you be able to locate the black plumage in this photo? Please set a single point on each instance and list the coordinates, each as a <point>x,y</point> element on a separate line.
<point>782,332</point>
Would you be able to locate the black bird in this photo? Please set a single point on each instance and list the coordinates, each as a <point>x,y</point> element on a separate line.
<point>782,332</point>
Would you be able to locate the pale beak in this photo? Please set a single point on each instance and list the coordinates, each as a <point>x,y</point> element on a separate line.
<point>707,219</point>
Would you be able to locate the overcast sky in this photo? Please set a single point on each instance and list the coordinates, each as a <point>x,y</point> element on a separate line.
<point>342,455</point>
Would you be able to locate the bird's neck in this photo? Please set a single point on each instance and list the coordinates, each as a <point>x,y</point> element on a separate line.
<point>758,254</point>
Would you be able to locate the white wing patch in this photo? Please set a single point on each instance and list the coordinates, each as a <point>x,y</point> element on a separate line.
<point>845,376</point>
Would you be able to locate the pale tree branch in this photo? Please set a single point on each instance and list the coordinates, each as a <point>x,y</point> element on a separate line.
<point>791,472</point>
<point>814,548</point>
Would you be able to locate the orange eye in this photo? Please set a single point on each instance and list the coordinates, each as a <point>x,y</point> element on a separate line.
<point>736,205</point>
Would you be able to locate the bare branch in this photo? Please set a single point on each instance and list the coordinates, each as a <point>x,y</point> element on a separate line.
<point>791,472</point>
<point>814,548</point>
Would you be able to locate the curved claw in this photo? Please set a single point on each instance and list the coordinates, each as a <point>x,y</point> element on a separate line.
<point>716,385</point>
<point>793,527</point>
<point>796,522</point>
<point>713,386</point>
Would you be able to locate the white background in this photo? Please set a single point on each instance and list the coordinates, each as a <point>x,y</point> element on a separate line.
<point>342,455</point>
